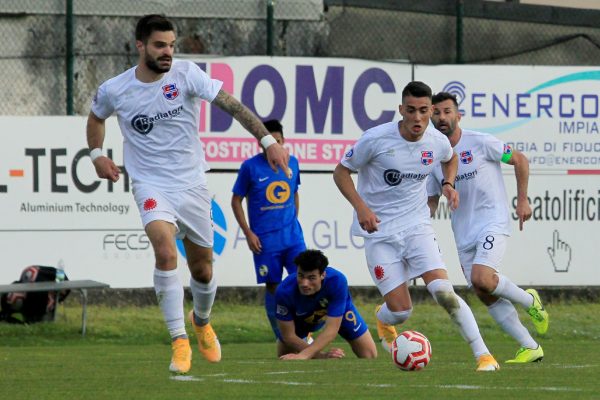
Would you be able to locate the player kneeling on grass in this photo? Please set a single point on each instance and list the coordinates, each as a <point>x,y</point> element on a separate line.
<point>313,297</point>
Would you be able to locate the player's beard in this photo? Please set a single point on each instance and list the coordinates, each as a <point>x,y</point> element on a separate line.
<point>152,64</point>
<point>448,128</point>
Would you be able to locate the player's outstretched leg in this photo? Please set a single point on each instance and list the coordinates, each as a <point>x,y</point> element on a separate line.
<point>538,314</point>
<point>443,293</point>
<point>181,361</point>
<point>525,355</point>
<point>386,332</point>
<point>208,343</point>
<point>528,299</point>
<point>506,316</point>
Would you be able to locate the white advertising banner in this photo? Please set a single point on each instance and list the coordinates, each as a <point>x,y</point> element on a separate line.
<point>55,208</point>
<point>552,114</point>
<point>324,104</point>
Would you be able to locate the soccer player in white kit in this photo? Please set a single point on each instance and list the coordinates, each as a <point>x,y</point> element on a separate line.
<point>393,161</point>
<point>481,224</point>
<point>157,103</point>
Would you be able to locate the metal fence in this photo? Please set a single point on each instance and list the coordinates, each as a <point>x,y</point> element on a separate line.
<point>59,51</point>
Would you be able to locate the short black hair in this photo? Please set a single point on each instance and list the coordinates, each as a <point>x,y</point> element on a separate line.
<point>416,89</point>
<point>309,260</point>
<point>443,96</point>
<point>273,125</point>
<point>150,23</point>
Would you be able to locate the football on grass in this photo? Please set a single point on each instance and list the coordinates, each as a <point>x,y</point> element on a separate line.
<point>411,351</point>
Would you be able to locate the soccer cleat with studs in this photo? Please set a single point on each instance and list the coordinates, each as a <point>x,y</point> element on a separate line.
<point>487,363</point>
<point>538,314</point>
<point>208,343</point>
<point>181,361</point>
<point>386,333</point>
<point>525,355</point>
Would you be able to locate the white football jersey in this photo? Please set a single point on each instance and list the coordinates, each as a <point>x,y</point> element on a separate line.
<point>159,122</point>
<point>483,203</point>
<point>392,175</point>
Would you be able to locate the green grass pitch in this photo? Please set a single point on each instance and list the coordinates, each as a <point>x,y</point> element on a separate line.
<point>126,353</point>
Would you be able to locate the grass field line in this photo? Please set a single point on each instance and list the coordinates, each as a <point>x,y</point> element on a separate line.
<point>294,372</point>
<point>522,388</point>
<point>245,381</point>
<point>574,366</point>
<point>188,378</point>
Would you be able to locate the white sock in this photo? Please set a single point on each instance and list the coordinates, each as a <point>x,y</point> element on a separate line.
<point>390,317</point>
<point>204,297</point>
<point>506,316</point>
<point>443,293</point>
<point>169,293</point>
<point>508,290</point>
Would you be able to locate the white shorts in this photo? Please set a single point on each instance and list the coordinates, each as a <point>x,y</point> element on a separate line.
<point>189,210</point>
<point>488,251</point>
<point>402,256</point>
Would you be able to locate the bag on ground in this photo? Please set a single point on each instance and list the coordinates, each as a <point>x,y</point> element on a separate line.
<point>33,307</point>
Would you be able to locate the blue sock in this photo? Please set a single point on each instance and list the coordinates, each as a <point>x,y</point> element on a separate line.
<point>270,307</point>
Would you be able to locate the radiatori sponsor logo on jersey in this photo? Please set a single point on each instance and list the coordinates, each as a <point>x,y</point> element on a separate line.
<point>393,177</point>
<point>466,176</point>
<point>144,124</point>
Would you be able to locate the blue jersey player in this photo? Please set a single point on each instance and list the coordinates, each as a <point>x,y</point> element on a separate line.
<point>316,297</point>
<point>273,233</point>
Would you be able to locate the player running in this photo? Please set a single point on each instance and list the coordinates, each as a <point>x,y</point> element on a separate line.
<point>393,161</point>
<point>157,103</point>
<point>481,224</point>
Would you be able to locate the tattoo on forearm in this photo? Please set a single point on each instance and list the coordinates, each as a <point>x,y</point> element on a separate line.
<point>241,113</point>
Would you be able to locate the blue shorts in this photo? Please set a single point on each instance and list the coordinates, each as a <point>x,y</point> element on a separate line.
<point>269,265</point>
<point>353,325</point>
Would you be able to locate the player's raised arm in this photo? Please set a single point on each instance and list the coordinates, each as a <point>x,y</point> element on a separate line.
<point>276,154</point>
<point>105,167</point>
<point>366,218</point>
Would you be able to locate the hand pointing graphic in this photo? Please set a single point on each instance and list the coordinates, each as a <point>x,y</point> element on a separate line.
<point>560,254</point>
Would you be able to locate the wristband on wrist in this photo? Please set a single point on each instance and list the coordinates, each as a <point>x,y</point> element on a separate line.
<point>267,141</point>
<point>448,183</point>
<point>95,153</point>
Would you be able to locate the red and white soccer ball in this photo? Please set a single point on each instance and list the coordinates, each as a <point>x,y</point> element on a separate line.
<point>411,351</point>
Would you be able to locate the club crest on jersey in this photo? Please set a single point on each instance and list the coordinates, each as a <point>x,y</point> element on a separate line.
<point>466,157</point>
<point>507,149</point>
<point>263,270</point>
<point>170,91</point>
<point>426,157</point>
<point>350,153</point>
<point>282,310</point>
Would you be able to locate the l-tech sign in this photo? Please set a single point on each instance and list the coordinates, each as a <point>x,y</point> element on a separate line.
<point>324,105</point>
